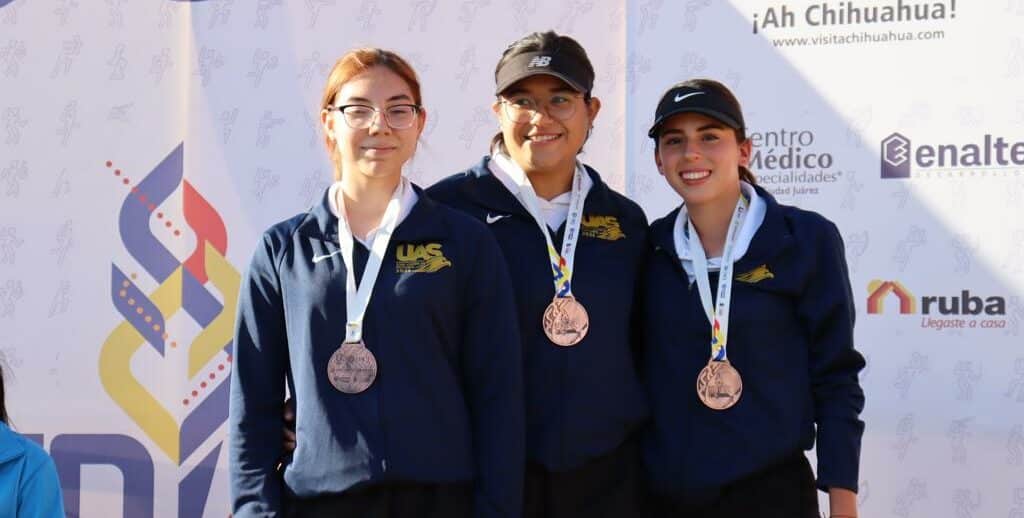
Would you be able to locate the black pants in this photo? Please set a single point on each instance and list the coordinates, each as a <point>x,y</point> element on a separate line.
<point>606,487</point>
<point>786,490</point>
<point>389,501</point>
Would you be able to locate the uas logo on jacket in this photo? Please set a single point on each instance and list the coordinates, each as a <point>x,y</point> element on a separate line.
<point>601,227</point>
<point>425,258</point>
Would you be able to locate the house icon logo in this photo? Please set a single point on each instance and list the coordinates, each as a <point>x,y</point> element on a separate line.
<point>878,291</point>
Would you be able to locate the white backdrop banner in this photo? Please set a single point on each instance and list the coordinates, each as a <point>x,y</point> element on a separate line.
<point>145,145</point>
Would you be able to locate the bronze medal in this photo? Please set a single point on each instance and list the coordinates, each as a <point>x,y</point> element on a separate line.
<point>352,368</point>
<point>719,385</point>
<point>566,321</point>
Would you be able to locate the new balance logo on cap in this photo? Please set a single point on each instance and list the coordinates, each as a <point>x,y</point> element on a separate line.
<point>539,61</point>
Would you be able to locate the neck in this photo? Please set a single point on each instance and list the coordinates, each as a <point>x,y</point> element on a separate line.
<point>549,184</point>
<point>366,199</point>
<point>711,221</point>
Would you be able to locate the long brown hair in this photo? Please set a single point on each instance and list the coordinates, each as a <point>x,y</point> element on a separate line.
<point>353,63</point>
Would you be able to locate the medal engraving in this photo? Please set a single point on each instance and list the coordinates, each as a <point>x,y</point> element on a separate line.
<point>566,321</point>
<point>719,385</point>
<point>352,368</point>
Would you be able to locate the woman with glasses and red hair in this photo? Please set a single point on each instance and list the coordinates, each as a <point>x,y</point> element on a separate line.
<point>391,322</point>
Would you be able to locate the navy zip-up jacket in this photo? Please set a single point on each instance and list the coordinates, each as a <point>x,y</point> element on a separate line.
<point>790,338</point>
<point>582,401</point>
<point>447,403</point>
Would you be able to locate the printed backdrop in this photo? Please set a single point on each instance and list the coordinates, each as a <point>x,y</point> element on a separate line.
<point>145,145</point>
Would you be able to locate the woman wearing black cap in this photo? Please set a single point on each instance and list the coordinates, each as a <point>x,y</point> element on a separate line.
<point>574,248</point>
<point>745,378</point>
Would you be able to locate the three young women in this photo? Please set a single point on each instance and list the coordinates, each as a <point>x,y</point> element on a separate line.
<point>728,433</point>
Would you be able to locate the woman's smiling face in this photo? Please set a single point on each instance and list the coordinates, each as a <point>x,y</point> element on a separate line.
<point>545,142</point>
<point>700,157</point>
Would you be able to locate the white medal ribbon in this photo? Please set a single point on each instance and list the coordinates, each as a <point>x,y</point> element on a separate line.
<point>358,299</point>
<point>561,265</point>
<point>718,314</point>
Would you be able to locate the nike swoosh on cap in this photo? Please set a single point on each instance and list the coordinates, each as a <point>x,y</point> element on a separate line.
<point>678,98</point>
<point>494,219</point>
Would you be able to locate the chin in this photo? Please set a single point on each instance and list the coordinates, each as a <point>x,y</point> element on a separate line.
<point>690,195</point>
<point>379,170</point>
<point>546,161</point>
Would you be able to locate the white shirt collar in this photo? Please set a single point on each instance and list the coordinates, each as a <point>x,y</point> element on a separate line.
<point>408,196</point>
<point>751,223</point>
<point>497,169</point>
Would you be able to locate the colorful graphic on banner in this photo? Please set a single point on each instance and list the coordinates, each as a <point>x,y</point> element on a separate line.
<point>182,288</point>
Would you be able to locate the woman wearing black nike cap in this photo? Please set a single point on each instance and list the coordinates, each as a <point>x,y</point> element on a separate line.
<point>574,248</point>
<point>757,364</point>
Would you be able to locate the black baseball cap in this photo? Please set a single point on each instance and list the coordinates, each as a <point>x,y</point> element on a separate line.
<point>706,101</point>
<point>564,66</point>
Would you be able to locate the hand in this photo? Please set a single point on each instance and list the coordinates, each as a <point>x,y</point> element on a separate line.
<point>288,433</point>
<point>842,503</point>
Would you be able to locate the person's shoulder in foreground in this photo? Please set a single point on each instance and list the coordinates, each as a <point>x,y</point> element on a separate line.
<point>28,478</point>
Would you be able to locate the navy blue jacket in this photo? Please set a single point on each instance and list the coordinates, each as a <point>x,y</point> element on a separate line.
<point>790,338</point>
<point>581,401</point>
<point>447,403</point>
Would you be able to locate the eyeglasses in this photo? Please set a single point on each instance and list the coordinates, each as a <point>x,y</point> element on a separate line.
<point>360,116</point>
<point>521,109</point>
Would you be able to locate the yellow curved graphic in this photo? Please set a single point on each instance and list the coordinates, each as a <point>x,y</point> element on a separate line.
<point>125,389</point>
<point>220,331</point>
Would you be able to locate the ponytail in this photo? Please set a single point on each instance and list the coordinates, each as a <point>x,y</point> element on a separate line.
<point>747,176</point>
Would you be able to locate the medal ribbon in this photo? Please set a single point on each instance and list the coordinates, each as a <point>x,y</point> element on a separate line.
<point>357,299</point>
<point>718,314</point>
<point>561,263</point>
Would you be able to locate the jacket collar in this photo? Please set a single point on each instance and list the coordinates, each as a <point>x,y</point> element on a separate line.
<point>484,189</point>
<point>662,234</point>
<point>421,224</point>
<point>487,191</point>
<point>773,237</point>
